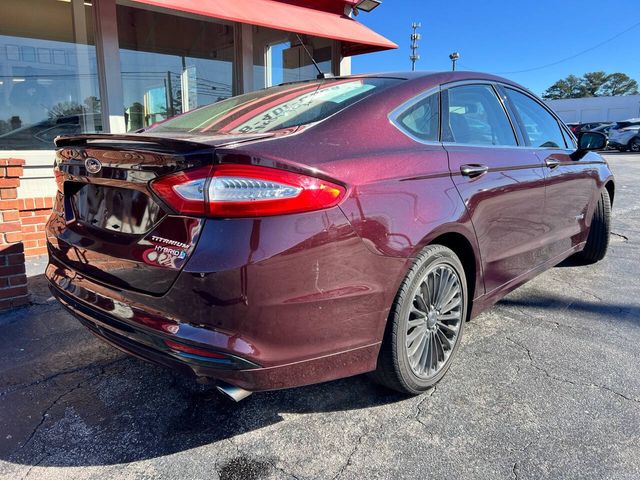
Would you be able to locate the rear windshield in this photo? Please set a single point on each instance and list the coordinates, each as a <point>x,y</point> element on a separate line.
<point>276,108</point>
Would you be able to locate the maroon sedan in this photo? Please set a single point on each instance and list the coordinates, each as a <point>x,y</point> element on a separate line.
<point>322,229</point>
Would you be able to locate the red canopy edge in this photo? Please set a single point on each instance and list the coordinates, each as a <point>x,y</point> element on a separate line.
<point>282,16</point>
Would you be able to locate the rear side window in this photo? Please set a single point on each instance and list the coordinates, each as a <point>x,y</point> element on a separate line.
<point>540,128</point>
<point>474,115</point>
<point>422,118</point>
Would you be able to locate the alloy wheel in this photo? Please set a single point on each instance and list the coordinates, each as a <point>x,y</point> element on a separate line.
<point>635,146</point>
<point>434,321</point>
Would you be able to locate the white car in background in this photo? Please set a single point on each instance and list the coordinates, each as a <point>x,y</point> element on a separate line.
<point>625,135</point>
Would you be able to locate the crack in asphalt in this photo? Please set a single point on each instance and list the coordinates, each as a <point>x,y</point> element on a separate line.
<point>565,380</point>
<point>427,396</point>
<point>21,386</point>
<point>351,454</point>
<point>45,413</point>
<point>624,237</point>
<point>514,471</point>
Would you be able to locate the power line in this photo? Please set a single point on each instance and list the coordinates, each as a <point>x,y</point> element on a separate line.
<point>571,57</point>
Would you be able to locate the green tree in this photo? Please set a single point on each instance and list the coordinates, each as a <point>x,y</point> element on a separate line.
<point>619,84</point>
<point>570,87</point>
<point>592,84</point>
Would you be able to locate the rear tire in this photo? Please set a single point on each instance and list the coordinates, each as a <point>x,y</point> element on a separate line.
<point>425,323</point>
<point>598,239</point>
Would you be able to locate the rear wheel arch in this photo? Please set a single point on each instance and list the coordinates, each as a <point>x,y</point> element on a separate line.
<point>611,188</point>
<point>462,247</point>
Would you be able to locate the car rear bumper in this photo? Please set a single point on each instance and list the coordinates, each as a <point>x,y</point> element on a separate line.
<point>278,302</point>
<point>148,344</point>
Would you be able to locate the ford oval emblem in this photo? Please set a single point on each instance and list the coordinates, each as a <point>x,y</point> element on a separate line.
<point>92,165</point>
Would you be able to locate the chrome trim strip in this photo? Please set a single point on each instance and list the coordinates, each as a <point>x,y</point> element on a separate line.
<point>399,110</point>
<point>396,112</point>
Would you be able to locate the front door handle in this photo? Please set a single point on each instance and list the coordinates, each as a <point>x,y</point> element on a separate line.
<point>473,170</point>
<point>551,162</point>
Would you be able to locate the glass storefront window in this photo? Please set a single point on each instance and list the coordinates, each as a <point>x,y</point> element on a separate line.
<point>171,64</point>
<point>48,72</point>
<point>279,57</point>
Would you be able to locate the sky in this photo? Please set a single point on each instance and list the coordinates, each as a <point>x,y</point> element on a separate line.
<point>506,37</point>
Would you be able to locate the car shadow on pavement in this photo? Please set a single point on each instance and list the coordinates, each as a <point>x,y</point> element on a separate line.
<point>605,310</point>
<point>68,399</point>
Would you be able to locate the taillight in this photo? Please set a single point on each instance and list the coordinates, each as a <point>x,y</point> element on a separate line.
<point>234,190</point>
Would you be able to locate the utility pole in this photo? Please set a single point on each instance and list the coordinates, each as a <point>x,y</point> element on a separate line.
<point>415,36</point>
<point>454,56</point>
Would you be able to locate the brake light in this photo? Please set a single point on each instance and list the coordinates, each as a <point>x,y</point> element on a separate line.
<point>234,190</point>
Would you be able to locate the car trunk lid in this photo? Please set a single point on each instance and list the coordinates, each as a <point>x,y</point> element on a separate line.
<point>108,225</point>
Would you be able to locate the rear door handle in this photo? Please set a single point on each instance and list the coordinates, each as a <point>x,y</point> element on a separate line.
<point>551,162</point>
<point>473,170</point>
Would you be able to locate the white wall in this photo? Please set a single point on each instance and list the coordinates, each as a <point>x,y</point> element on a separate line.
<point>597,109</point>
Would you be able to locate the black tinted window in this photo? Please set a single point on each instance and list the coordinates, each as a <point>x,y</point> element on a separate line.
<point>421,119</point>
<point>475,116</point>
<point>540,128</point>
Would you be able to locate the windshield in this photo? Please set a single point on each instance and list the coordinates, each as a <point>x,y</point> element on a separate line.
<point>276,108</point>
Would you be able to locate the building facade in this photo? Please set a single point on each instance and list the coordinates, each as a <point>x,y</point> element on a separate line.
<point>597,109</point>
<point>85,66</point>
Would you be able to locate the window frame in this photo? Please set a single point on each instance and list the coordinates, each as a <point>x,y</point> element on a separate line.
<point>399,111</point>
<point>564,132</point>
<point>444,106</point>
<point>498,88</point>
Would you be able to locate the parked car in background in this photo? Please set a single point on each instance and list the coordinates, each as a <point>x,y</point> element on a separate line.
<point>634,143</point>
<point>577,128</point>
<point>322,229</point>
<point>623,135</point>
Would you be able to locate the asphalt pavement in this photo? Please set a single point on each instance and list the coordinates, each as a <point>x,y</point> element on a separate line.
<point>545,385</point>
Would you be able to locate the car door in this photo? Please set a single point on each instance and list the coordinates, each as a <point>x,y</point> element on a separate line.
<point>570,181</point>
<point>502,185</point>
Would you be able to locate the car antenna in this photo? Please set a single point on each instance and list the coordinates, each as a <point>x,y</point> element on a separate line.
<point>321,75</point>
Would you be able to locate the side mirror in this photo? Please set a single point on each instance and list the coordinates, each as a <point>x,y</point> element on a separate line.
<point>591,141</point>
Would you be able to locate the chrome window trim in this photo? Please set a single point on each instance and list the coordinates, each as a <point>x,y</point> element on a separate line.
<point>400,109</point>
<point>403,107</point>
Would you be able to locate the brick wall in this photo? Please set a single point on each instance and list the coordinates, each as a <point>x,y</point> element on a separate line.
<point>34,213</point>
<point>13,279</point>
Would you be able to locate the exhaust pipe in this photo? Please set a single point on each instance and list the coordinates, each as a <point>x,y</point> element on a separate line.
<point>231,391</point>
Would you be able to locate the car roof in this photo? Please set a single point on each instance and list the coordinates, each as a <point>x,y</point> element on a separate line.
<point>427,77</point>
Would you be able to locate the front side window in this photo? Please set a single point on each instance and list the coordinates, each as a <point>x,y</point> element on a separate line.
<point>475,116</point>
<point>540,129</point>
<point>421,119</point>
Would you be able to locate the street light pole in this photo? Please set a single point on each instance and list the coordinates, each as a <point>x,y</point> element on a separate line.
<point>415,36</point>
<point>454,56</point>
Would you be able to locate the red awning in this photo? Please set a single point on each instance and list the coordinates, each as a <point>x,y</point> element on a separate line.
<point>282,16</point>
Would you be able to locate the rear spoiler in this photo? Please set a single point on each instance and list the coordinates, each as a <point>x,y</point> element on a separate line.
<point>131,142</point>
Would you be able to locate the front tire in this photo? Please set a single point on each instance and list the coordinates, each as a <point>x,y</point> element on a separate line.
<point>598,239</point>
<point>634,145</point>
<point>425,324</point>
